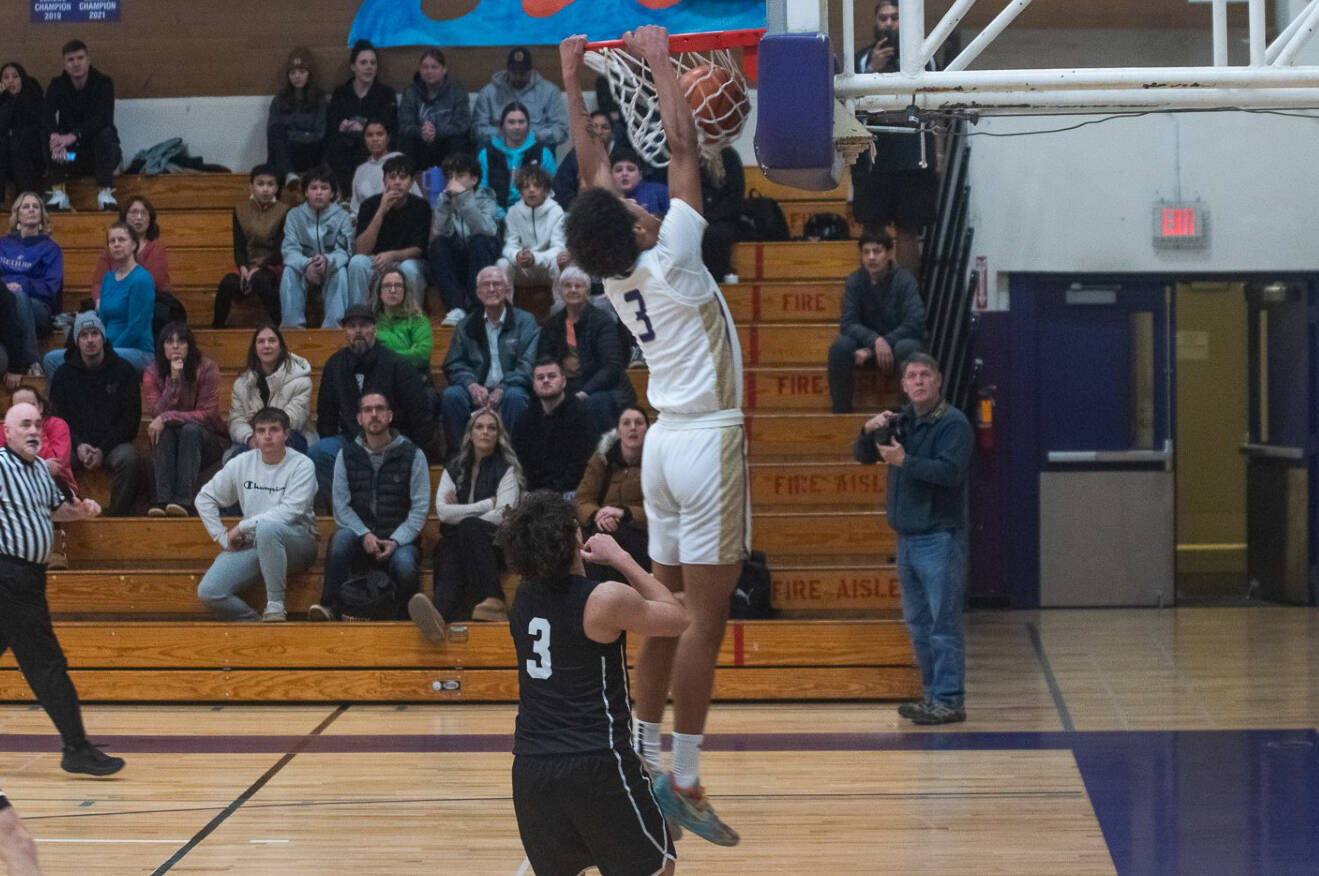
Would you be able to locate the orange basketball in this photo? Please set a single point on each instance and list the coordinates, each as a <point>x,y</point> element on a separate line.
<point>718,100</point>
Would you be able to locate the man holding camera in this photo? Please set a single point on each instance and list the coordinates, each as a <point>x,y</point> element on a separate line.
<point>927,446</point>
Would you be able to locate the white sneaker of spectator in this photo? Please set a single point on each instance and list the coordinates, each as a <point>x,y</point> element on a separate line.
<point>105,200</point>
<point>455,316</point>
<point>59,200</point>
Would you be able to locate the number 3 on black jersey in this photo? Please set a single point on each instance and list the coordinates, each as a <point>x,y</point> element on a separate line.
<point>634,297</point>
<point>539,665</point>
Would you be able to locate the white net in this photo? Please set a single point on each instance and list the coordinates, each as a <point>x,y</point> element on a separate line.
<point>712,82</point>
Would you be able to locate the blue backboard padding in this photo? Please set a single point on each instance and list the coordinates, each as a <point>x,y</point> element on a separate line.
<point>505,22</point>
<point>795,110</point>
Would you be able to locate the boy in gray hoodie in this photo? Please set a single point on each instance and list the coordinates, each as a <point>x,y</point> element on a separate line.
<point>318,240</point>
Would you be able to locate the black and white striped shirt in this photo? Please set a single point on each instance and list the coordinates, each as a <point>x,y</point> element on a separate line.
<point>27,496</point>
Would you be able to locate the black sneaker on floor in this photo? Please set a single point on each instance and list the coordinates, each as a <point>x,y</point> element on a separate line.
<point>911,710</point>
<point>939,713</point>
<point>88,758</point>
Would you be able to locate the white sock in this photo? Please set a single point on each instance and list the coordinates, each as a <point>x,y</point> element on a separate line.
<point>647,744</point>
<point>687,759</point>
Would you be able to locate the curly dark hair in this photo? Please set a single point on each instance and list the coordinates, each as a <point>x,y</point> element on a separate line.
<point>539,537</point>
<point>600,235</point>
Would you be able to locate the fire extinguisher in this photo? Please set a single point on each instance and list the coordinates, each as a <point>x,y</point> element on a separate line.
<point>985,418</point>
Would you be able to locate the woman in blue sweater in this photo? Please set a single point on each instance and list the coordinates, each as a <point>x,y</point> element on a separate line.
<point>32,270</point>
<point>128,302</point>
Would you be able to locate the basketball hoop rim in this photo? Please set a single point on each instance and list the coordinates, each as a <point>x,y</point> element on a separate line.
<point>697,42</point>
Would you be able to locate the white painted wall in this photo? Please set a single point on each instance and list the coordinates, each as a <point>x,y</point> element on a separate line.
<point>223,130</point>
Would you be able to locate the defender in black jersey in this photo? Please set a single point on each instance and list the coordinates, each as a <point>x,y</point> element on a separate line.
<point>580,793</point>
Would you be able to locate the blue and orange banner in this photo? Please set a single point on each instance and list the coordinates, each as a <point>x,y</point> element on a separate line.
<point>545,22</point>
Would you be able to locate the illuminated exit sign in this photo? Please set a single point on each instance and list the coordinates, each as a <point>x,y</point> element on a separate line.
<point>1180,225</point>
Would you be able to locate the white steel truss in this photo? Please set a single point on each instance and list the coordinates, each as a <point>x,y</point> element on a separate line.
<point>1270,81</point>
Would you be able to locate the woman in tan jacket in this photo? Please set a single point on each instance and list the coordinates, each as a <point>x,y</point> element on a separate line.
<point>609,497</point>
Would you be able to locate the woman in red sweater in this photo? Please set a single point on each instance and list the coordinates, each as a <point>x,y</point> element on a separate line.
<point>181,393</point>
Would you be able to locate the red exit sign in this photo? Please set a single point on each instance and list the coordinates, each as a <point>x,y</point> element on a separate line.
<point>1180,225</point>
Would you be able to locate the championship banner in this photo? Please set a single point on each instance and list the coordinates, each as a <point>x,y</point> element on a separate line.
<point>66,11</point>
<point>545,22</point>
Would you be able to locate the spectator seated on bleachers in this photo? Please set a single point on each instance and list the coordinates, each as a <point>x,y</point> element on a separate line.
<point>23,146</point>
<point>258,226</point>
<point>723,188</point>
<point>56,445</point>
<point>99,394</point>
<point>274,488</point>
<point>556,436</point>
<point>13,365</point>
<point>515,145</point>
<point>274,377</point>
<point>541,102</point>
<point>464,235</point>
<point>83,139</point>
<point>181,391</point>
<point>295,128</point>
<point>381,495</point>
<point>369,178</point>
<point>480,483</point>
<point>362,366</point>
<point>627,169</point>
<point>609,498</point>
<point>584,340</point>
<point>32,272</point>
<point>392,229</point>
<point>882,322</point>
<point>434,118</point>
<point>360,100</point>
<point>139,214</point>
<point>127,304</point>
<point>318,236</point>
<point>533,231</point>
<point>56,451</point>
<point>400,324</point>
<point>490,358</point>
<point>568,178</point>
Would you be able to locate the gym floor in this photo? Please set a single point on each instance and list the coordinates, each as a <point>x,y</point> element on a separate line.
<point>1178,741</point>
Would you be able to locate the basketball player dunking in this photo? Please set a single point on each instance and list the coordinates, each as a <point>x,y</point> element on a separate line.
<point>693,468</point>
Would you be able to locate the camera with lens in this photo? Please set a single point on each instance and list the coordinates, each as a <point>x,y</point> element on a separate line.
<point>895,430</point>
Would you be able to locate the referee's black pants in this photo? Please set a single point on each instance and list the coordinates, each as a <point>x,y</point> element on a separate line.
<point>25,626</point>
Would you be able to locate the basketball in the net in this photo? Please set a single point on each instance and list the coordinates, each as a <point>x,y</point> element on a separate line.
<point>718,100</point>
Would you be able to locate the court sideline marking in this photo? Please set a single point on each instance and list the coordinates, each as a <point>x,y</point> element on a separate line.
<point>242,798</point>
<point>1054,690</point>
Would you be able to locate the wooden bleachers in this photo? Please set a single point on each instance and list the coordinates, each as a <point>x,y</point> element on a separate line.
<point>127,611</point>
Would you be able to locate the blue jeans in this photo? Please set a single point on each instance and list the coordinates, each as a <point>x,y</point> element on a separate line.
<point>456,407</point>
<point>932,570</point>
<point>345,555</point>
<point>323,454</point>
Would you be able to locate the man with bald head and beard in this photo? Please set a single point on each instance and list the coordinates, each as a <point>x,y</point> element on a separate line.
<point>29,501</point>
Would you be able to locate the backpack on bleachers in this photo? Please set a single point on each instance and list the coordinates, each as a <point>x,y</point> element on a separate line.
<point>369,596</point>
<point>826,226</point>
<point>761,219</point>
<point>751,599</point>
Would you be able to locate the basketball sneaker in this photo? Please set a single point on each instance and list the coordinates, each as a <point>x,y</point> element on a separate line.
<point>939,713</point>
<point>911,710</point>
<point>691,809</point>
<point>88,758</point>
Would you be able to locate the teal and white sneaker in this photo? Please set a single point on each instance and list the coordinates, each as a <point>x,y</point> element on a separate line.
<point>692,810</point>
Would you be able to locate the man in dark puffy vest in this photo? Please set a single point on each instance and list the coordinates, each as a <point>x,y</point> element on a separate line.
<point>381,496</point>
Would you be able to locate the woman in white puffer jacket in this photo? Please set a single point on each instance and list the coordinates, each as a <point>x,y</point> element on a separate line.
<point>274,378</point>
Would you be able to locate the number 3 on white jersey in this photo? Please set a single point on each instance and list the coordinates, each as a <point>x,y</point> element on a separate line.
<point>539,666</point>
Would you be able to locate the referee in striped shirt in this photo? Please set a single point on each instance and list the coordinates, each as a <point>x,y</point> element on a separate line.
<point>29,502</point>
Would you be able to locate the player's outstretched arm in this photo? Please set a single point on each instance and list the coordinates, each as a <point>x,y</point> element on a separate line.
<point>646,607</point>
<point>651,42</point>
<point>592,161</point>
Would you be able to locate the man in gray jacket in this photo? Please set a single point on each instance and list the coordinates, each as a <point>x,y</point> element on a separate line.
<point>490,359</point>
<point>519,82</point>
<point>464,235</point>
<point>381,496</point>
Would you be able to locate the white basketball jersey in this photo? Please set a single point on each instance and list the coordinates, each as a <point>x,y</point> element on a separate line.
<point>675,310</point>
